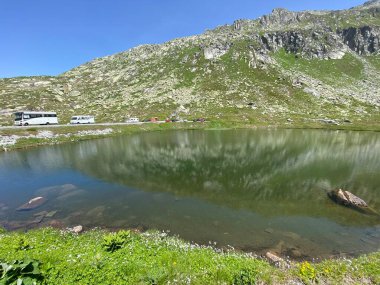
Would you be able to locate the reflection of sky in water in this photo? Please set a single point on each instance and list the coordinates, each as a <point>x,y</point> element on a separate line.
<point>255,189</point>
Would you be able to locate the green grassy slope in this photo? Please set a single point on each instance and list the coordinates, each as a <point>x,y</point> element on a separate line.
<point>154,258</point>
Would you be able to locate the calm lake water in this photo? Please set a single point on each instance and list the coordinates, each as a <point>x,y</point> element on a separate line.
<point>255,190</point>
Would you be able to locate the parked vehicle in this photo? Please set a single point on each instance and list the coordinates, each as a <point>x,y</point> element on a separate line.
<point>82,119</point>
<point>132,120</point>
<point>26,118</point>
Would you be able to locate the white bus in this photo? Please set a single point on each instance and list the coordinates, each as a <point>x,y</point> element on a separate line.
<point>26,118</point>
<point>82,119</point>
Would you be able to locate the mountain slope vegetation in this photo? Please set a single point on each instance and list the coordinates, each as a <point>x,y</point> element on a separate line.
<point>284,66</point>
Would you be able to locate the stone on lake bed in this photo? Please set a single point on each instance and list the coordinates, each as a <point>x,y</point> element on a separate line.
<point>295,253</point>
<point>32,204</point>
<point>73,193</point>
<point>291,235</point>
<point>3,207</point>
<point>55,223</point>
<point>369,241</point>
<point>96,212</point>
<point>38,219</point>
<point>269,230</point>
<point>56,189</point>
<point>43,213</point>
<point>51,214</point>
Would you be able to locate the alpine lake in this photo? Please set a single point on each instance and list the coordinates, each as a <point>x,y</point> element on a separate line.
<point>254,190</point>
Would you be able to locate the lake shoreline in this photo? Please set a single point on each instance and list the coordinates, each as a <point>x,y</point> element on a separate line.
<point>27,137</point>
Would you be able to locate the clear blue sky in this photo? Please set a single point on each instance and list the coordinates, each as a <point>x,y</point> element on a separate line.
<point>48,37</point>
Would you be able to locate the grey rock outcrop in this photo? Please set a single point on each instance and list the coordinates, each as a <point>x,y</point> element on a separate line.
<point>372,3</point>
<point>280,16</point>
<point>215,51</point>
<point>363,40</point>
<point>309,44</point>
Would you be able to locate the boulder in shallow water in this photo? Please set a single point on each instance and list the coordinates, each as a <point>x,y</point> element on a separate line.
<point>32,204</point>
<point>275,260</point>
<point>76,230</point>
<point>347,199</point>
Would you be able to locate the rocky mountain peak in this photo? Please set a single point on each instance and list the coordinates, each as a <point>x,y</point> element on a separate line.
<point>279,16</point>
<point>372,3</point>
<point>369,4</point>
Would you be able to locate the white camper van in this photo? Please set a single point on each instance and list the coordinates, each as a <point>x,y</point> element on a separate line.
<point>132,120</point>
<point>82,119</point>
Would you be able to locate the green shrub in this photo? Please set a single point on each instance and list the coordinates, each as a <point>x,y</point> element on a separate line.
<point>22,244</point>
<point>20,272</point>
<point>244,277</point>
<point>307,272</point>
<point>115,241</point>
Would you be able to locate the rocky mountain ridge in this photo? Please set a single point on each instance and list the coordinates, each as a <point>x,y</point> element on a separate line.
<point>309,64</point>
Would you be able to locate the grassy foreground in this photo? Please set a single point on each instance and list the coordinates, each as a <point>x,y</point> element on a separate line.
<point>51,256</point>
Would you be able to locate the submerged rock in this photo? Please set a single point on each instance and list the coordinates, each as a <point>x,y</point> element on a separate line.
<point>51,214</point>
<point>96,212</point>
<point>32,204</point>
<point>269,230</point>
<point>55,223</point>
<point>295,253</point>
<point>56,190</point>
<point>3,207</point>
<point>38,219</point>
<point>43,213</point>
<point>70,194</point>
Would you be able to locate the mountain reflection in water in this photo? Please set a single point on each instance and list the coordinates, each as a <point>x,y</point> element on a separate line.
<point>254,189</point>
